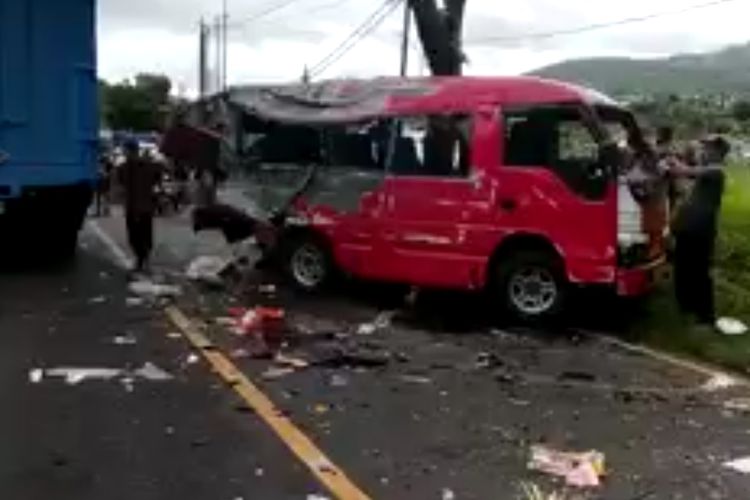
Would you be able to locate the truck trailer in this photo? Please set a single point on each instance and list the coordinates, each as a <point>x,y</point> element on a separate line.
<point>48,122</point>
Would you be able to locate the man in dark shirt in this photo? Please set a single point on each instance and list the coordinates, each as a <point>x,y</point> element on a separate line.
<point>695,229</point>
<point>138,178</point>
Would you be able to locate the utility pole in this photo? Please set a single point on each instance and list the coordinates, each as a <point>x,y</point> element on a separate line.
<point>305,75</point>
<point>217,53</point>
<point>203,59</point>
<point>224,49</point>
<point>405,40</point>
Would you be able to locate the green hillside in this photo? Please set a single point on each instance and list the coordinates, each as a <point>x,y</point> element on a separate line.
<point>724,71</point>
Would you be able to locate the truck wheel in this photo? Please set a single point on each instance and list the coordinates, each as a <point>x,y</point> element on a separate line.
<point>532,286</point>
<point>308,263</point>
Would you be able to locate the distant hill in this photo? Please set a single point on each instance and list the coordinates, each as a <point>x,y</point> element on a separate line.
<point>726,70</point>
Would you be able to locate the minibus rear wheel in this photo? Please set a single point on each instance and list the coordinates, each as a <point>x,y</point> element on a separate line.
<point>531,285</point>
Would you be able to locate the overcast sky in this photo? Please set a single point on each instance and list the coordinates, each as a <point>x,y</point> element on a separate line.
<point>162,35</point>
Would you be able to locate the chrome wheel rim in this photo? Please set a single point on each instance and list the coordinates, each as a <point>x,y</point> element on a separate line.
<point>533,290</point>
<point>308,265</point>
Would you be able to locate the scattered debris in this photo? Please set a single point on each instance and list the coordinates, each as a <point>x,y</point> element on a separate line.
<point>415,379</point>
<point>150,371</point>
<point>208,269</point>
<point>321,409</point>
<point>36,375</point>
<point>578,469</point>
<point>128,383</point>
<point>731,326</point>
<point>381,321</point>
<point>75,376</point>
<point>532,491</point>
<point>98,300</point>
<point>719,381</point>
<point>447,494</point>
<point>738,405</point>
<point>269,289</point>
<point>149,289</point>
<point>192,359</point>
<point>317,497</point>
<point>124,340</point>
<point>296,363</point>
<point>259,472</point>
<point>487,360</point>
<point>174,335</point>
<point>133,301</point>
<point>239,353</point>
<point>276,372</point>
<point>338,380</point>
<point>739,464</point>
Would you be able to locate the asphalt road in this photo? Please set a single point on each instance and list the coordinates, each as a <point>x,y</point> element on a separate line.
<point>433,404</point>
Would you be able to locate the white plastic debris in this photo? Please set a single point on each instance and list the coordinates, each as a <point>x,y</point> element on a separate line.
<point>98,300</point>
<point>75,376</point>
<point>381,321</point>
<point>124,340</point>
<point>192,359</point>
<point>150,371</point>
<point>739,464</point>
<point>447,494</point>
<point>133,301</point>
<point>317,497</point>
<point>149,289</point>
<point>731,326</point>
<point>207,269</point>
<point>719,381</point>
<point>36,375</point>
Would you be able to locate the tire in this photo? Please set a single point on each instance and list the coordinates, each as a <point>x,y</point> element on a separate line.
<point>308,264</point>
<point>531,286</point>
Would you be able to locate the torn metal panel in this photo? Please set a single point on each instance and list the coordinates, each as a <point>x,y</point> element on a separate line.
<point>339,188</point>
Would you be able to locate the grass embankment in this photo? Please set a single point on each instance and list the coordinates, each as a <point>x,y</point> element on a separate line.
<point>663,326</point>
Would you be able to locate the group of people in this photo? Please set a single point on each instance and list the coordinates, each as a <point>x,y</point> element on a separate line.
<point>694,216</point>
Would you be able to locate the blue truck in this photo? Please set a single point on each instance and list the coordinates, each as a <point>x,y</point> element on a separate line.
<point>48,121</point>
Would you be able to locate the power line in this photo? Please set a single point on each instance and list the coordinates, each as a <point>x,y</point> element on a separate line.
<point>598,26</point>
<point>362,31</point>
<point>270,9</point>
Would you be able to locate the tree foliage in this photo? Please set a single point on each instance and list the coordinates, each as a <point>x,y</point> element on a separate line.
<point>138,105</point>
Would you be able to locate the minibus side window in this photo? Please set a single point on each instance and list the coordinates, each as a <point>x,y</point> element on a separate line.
<point>433,146</point>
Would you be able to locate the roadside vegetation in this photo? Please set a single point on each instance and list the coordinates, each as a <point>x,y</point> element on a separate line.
<point>663,326</point>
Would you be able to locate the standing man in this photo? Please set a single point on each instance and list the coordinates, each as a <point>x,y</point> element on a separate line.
<point>695,231</point>
<point>138,178</point>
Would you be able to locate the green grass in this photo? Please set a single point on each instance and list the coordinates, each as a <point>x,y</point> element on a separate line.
<point>663,326</point>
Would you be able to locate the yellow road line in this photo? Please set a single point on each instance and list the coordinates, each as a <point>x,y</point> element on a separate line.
<point>326,471</point>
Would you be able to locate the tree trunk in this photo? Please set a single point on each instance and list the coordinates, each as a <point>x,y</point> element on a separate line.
<point>439,30</point>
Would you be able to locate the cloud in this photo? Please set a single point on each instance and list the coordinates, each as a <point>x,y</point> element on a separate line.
<point>162,35</point>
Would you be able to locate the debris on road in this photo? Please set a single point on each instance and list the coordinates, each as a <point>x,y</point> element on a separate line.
<point>738,405</point>
<point>101,299</point>
<point>381,321</point>
<point>174,335</point>
<point>578,469</point>
<point>276,372</point>
<point>150,371</point>
<point>208,269</point>
<point>133,301</point>
<point>75,376</point>
<point>338,380</point>
<point>731,326</point>
<point>151,290</point>
<point>739,464</point>
<point>321,409</point>
<point>124,340</point>
<point>269,289</point>
<point>36,375</point>
<point>447,494</point>
<point>719,381</point>
<point>415,379</point>
<point>192,359</point>
<point>296,363</point>
<point>317,497</point>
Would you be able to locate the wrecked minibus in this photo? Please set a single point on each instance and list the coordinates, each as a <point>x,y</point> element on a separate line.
<point>519,186</point>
